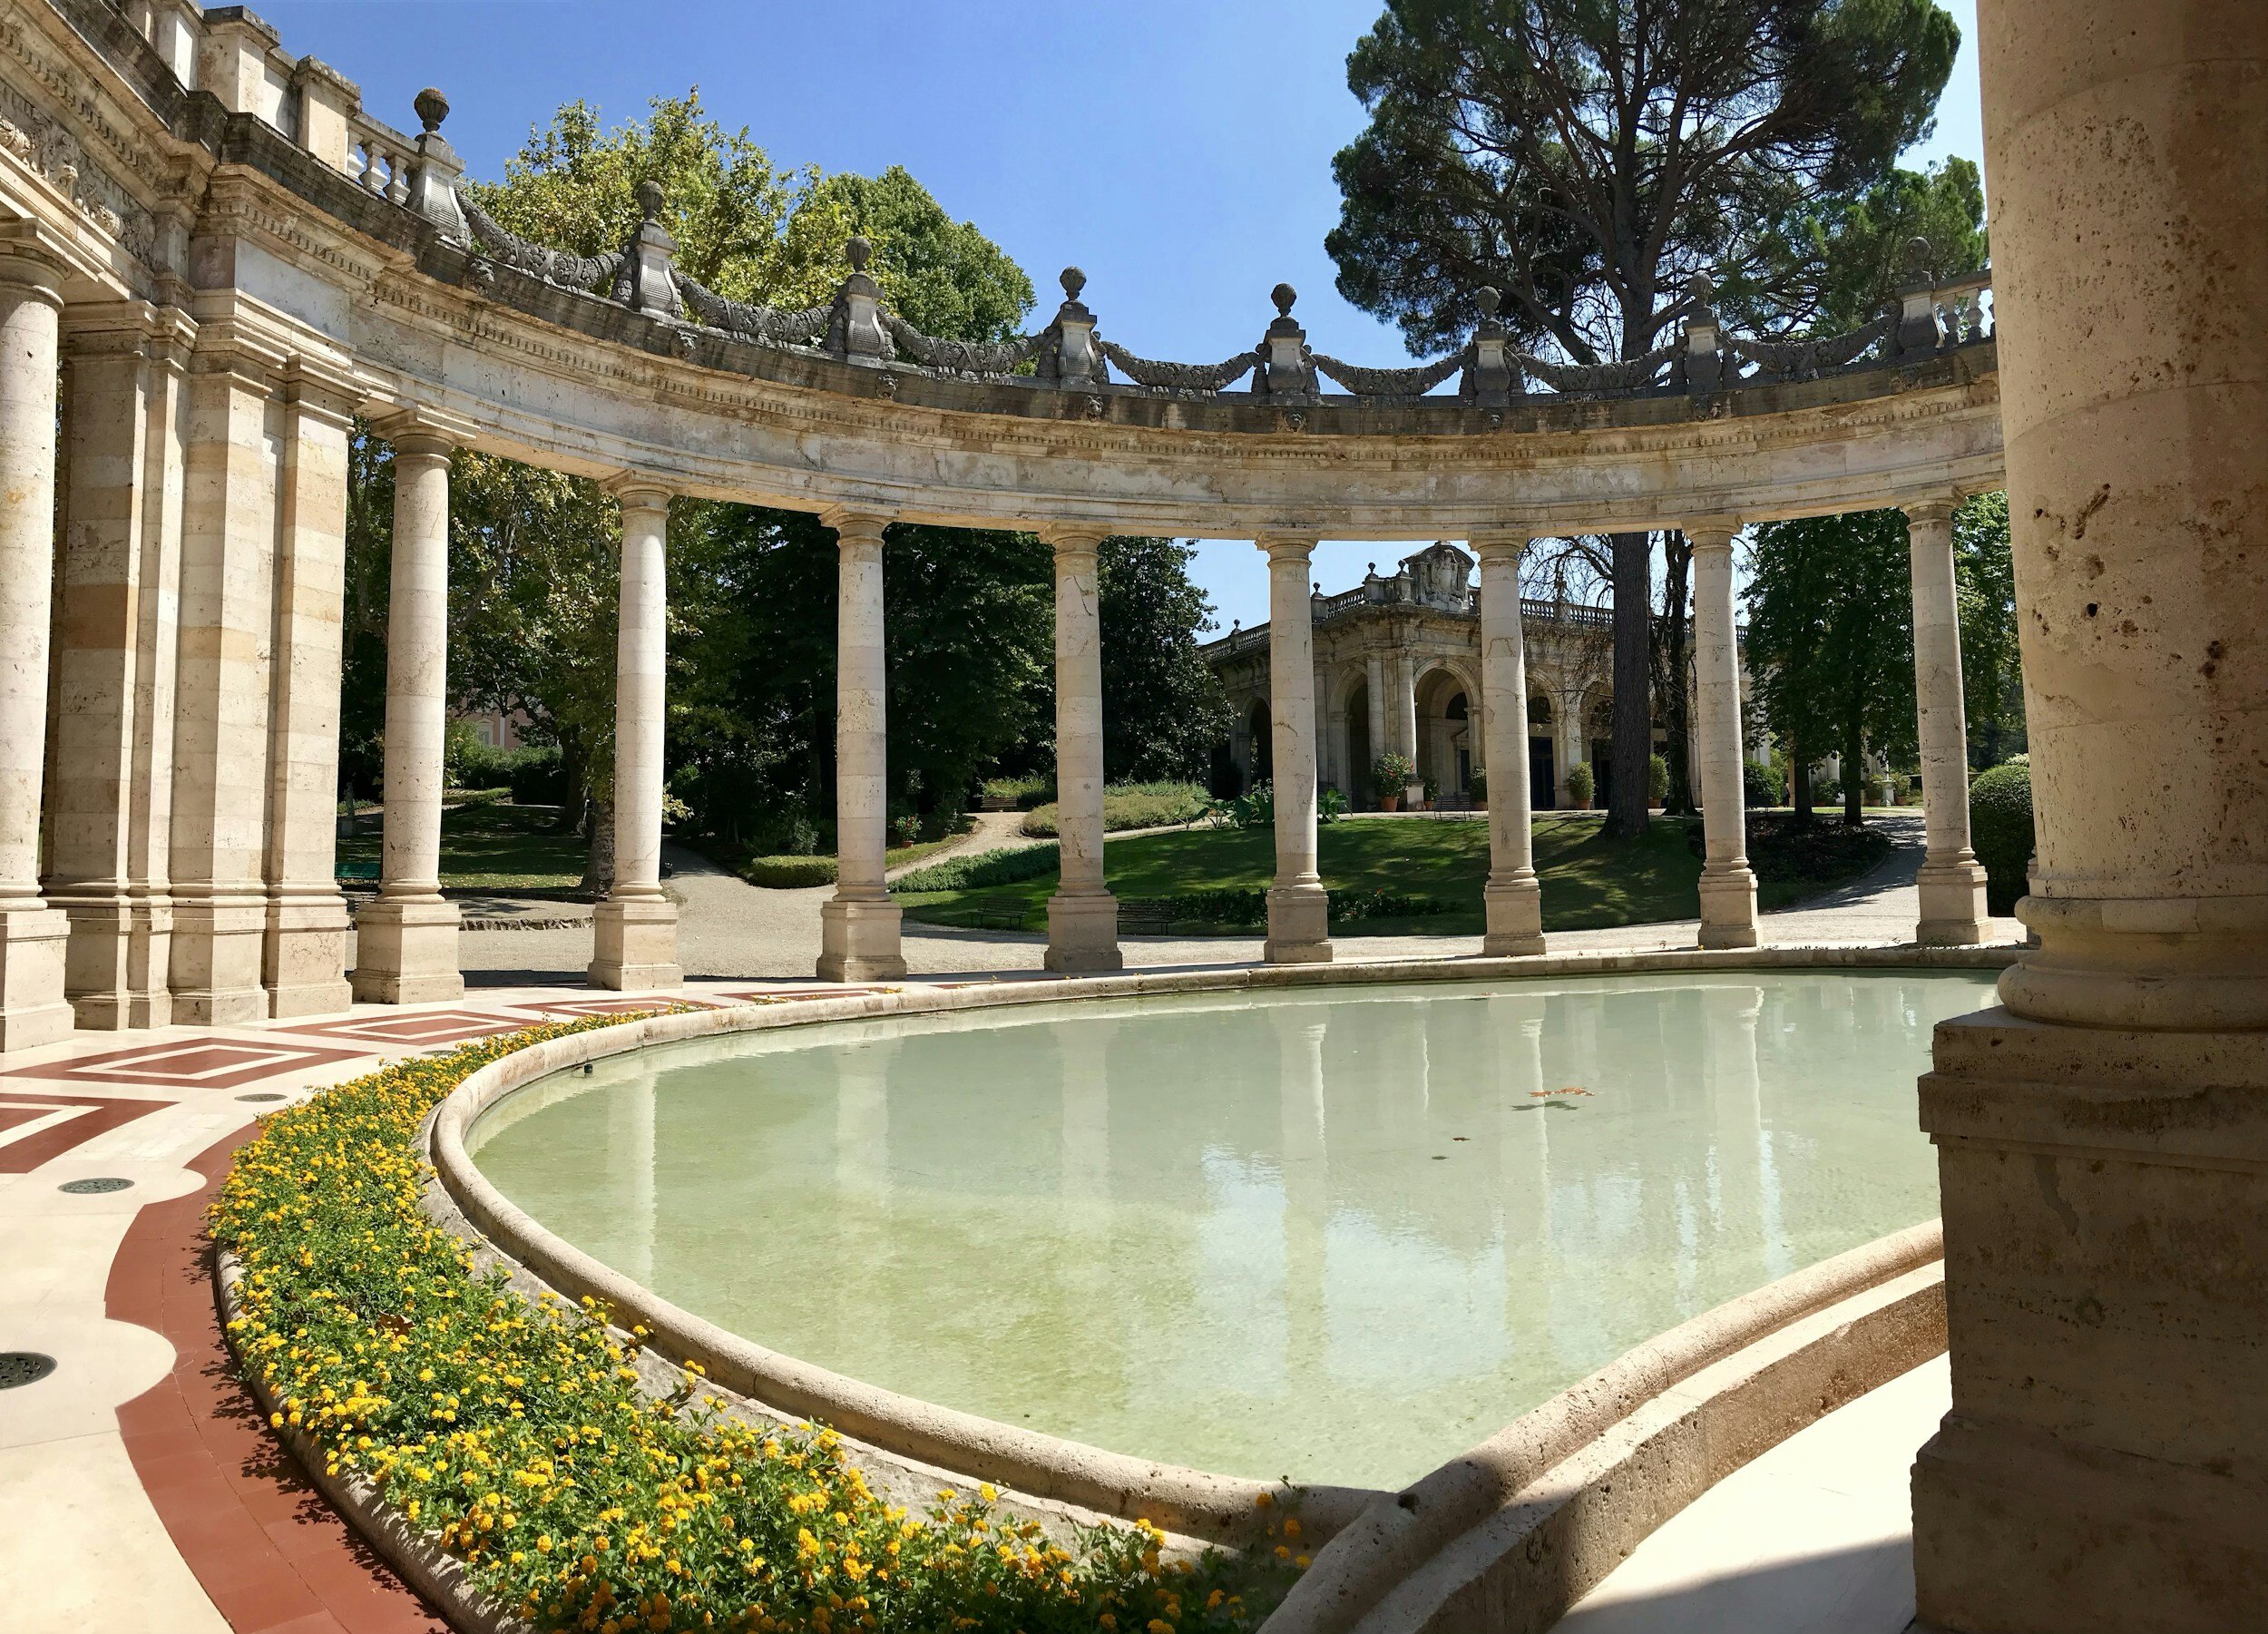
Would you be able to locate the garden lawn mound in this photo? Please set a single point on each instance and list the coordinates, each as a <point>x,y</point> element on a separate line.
<point>1131,806</point>
<point>489,845</point>
<point>1588,879</point>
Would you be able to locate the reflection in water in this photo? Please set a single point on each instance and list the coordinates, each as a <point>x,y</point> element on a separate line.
<point>1337,1235</point>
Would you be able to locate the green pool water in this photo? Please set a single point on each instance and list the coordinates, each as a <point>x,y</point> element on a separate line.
<point>1336,1235</point>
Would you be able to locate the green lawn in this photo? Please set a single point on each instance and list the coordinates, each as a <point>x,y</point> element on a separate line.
<point>1588,879</point>
<point>494,848</point>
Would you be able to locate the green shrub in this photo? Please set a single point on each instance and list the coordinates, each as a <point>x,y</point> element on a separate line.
<point>1759,789</point>
<point>532,772</point>
<point>2001,828</point>
<point>1477,783</point>
<point>1383,904</point>
<point>1656,777</point>
<point>1027,793</point>
<point>789,873</point>
<point>1390,774</point>
<point>1206,907</point>
<point>1330,806</point>
<point>1129,806</point>
<point>1581,784</point>
<point>984,869</point>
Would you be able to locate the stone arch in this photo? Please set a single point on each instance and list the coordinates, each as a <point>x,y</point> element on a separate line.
<point>1448,698</point>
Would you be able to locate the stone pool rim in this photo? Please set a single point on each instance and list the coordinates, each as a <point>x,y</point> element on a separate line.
<point>1187,1501</point>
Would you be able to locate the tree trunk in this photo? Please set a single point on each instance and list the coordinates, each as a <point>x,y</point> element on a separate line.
<point>1677,678</point>
<point>1633,742</point>
<point>1853,776</point>
<point>598,876</point>
<point>573,798</point>
<point>1799,776</point>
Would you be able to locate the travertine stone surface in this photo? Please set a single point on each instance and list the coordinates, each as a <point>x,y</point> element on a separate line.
<point>2102,1143</point>
<point>405,941</point>
<point>98,592</point>
<point>635,928</point>
<point>1082,914</point>
<point>1952,880</point>
<point>33,935</point>
<point>858,925</point>
<point>149,834</point>
<point>227,650</point>
<point>1729,887</point>
<point>304,966</point>
<point>1298,910</point>
<point>1513,899</point>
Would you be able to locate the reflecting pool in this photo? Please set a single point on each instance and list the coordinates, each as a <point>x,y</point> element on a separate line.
<point>1334,1234</point>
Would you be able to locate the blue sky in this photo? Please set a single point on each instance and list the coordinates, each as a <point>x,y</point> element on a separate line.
<point>1178,151</point>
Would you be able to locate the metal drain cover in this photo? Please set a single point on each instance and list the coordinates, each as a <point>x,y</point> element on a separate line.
<point>24,1368</point>
<point>262,1095</point>
<point>102,1183</point>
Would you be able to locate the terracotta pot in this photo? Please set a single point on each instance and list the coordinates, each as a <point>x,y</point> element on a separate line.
<point>1389,802</point>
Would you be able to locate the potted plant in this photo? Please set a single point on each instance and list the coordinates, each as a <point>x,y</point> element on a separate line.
<point>1477,787</point>
<point>1656,781</point>
<point>1390,774</point>
<point>1580,784</point>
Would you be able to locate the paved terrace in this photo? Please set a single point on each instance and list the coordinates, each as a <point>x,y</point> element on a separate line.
<point>145,1493</point>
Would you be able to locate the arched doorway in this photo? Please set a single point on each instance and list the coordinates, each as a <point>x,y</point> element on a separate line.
<point>1359,752</point>
<point>1447,746</point>
<point>1543,777</point>
<point>1260,745</point>
<point>1598,730</point>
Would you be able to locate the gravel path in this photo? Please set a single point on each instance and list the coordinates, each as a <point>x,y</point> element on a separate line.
<point>733,929</point>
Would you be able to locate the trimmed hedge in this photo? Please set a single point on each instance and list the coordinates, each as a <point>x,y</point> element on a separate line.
<point>1131,805</point>
<point>513,1434</point>
<point>1759,788</point>
<point>1001,867</point>
<point>789,873</point>
<point>2000,829</point>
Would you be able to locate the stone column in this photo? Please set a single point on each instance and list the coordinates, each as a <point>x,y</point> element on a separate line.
<point>99,593</point>
<point>1952,882</point>
<point>304,963</point>
<point>635,929</point>
<point>1729,889</point>
<point>2103,1140</point>
<point>150,832</point>
<point>33,935</point>
<point>1513,899</point>
<point>1298,909</point>
<point>1375,663</point>
<point>1082,914</point>
<point>858,926</point>
<point>405,941</point>
<point>1405,718</point>
<point>225,675</point>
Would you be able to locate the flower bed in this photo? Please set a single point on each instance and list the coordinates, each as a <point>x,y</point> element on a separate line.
<point>514,1434</point>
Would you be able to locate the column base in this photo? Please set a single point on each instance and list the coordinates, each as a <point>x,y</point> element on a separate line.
<point>1953,911</point>
<point>304,959</point>
<point>1299,925</point>
<point>2104,1192</point>
<point>858,940</point>
<point>1515,918</point>
<point>32,1009</point>
<point>1083,933</point>
<point>149,957</point>
<point>216,953</point>
<point>634,943</point>
<point>96,969</point>
<point>2178,962</point>
<point>406,952</point>
<point>1729,908</point>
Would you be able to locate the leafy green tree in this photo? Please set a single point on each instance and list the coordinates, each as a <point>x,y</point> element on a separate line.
<point>1831,262</point>
<point>1831,639</point>
<point>1586,157</point>
<point>1992,672</point>
<point>1163,708</point>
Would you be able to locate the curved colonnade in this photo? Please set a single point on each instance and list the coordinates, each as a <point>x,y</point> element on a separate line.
<point>227,274</point>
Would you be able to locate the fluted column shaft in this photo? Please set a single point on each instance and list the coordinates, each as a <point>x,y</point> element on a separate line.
<point>1082,914</point>
<point>406,941</point>
<point>634,930</point>
<point>859,938</point>
<point>1512,898</point>
<point>1298,909</point>
<point>1951,883</point>
<point>1729,887</point>
<point>33,935</point>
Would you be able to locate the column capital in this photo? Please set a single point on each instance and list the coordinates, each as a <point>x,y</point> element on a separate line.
<point>1511,543</point>
<point>30,277</point>
<point>635,491</point>
<point>1074,538</point>
<point>1287,547</point>
<point>1937,511</point>
<point>418,434</point>
<point>854,525</point>
<point>1711,533</point>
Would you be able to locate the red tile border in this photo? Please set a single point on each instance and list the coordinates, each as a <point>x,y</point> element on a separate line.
<point>93,1117</point>
<point>267,1548</point>
<point>206,1063</point>
<point>764,995</point>
<point>414,1030</point>
<point>571,1007</point>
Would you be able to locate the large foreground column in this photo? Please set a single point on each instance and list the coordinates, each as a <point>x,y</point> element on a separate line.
<point>1299,911</point>
<point>1952,880</point>
<point>1513,900</point>
<point>2103,1142</point>
<point>858,926</point>
<point>304,965</point>
<point>1729,889</point>
<point>1082,914</point>
<point>635,932</point>
<point>32,935</point>
<point>405,941</point>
